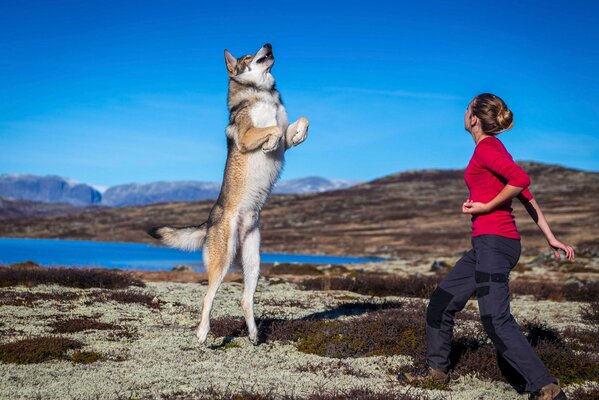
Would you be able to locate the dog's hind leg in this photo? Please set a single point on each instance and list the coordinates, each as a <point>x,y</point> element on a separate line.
<point>219,251</point>
<point>251,268</point>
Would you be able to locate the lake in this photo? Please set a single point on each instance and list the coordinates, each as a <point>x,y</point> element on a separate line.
<point>80,253</point>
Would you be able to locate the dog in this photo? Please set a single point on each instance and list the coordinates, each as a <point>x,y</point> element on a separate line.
<point>258,134</point>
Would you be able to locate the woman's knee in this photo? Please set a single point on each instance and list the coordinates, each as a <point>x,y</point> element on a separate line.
<point>437,307</point>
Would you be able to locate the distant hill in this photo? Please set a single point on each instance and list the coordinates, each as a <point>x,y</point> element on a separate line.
<point>410,213</point>
<point>312,184</point>
<point>54,189</point>
<point>19,209</point>
<point>48,189</point>
<point>159,192</point>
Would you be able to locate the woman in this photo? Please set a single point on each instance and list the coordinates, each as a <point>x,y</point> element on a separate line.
<point>493,180</point>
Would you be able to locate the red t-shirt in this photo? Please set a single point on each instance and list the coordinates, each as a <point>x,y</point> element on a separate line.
<point>489,170</point>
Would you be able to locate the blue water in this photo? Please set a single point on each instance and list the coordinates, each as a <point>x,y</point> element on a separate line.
<point>79,253</point>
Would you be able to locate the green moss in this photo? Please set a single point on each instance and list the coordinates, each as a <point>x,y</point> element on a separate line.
<point>230,345</point>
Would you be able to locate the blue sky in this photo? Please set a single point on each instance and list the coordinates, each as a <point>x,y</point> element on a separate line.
<point>109,92</point>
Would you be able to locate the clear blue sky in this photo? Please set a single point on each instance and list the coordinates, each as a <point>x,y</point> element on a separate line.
<point>109,92</point>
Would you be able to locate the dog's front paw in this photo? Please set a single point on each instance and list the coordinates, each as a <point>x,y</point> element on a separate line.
<point>272,144</point>
<point>253,336</point>
<point>202,334</point>
<point>301,131</point>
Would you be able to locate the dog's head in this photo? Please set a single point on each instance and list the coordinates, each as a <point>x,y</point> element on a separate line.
<point>254,69</point>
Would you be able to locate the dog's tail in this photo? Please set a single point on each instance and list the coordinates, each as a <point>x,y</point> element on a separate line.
<point>188,238</point>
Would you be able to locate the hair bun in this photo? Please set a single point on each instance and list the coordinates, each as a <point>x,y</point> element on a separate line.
<point>494,115</point>
<point>505,118</point>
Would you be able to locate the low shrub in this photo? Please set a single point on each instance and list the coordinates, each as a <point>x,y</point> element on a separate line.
<point>585,291</point>
<point>377,285</point>
<point>28,275</point>
<point>37,350</point>
<point>354,394</point>
<point>86,357</point>
<point>28,299</point>
<point>80,324</point>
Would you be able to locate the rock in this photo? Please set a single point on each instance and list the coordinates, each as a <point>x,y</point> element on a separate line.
<point>574,281</point>
<point>182,267</point>
<point>439,265</point>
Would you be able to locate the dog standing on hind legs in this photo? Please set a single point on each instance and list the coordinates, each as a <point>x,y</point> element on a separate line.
<point>258,135</point>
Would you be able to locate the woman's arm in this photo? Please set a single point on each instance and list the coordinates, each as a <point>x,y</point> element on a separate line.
<point>507,193</point>
<point>537,216</point>
<point>491,154</point>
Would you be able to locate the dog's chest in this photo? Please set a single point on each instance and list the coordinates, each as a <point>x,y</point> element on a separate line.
<point>269,113</point>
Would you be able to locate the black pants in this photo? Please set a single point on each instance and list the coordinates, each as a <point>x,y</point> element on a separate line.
<point>485,270</point>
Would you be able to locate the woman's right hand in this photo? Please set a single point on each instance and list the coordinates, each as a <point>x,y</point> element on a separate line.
<point>466,206</point>
<point>556,245</point>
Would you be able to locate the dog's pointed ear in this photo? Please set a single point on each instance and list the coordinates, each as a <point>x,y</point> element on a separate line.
<point>231,62</point>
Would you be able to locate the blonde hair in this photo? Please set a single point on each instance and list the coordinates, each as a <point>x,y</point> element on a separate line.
<point>494,115</point>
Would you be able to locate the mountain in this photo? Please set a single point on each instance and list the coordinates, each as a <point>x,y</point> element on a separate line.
<point>48,189</point>
<point>163,192</point>
<point>54,189</point>
<point>409,213</point>
<point>159,192</point>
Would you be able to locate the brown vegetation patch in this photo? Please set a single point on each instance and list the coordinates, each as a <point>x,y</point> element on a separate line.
<point>37,350</point>
<point>127,297</point>
<point>586,339</point>
<point>583,291</point>
<point>474,355</point>
<point>585,394</point>
<point>27,299</point>
<point>389,328</point>
<point>354,394</point>
<point>80,324</point>
<point>400,331</point>
<point>86,357</point>
<point>293,269</point>
<point>590,313</point>
<point>376,334</point>
<point>30,275</point>
<point>377,284</point>
<point>422,286</point>
<point>297,303</point>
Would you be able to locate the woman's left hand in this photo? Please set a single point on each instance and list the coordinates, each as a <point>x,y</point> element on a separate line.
<point>475,207</point>
<point>556,245</point>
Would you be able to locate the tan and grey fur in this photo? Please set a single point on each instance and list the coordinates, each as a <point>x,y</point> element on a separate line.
<point>257,136</point>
